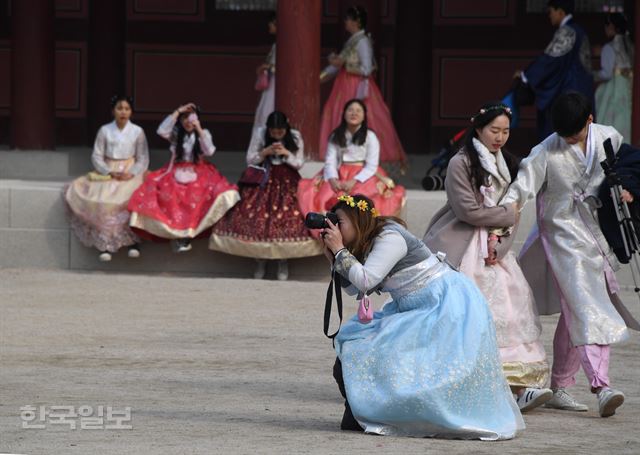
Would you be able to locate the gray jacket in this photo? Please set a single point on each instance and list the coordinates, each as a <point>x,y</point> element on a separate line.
<point>452,227</point>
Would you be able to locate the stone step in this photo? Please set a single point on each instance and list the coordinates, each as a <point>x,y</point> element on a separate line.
<point>68,162</point>
<point>34,233</point>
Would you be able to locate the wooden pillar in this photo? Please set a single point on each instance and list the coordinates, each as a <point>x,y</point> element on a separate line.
<point>106,70</point>
<point>635,116</point>
<point>298,68</point>
<point>32,75</point>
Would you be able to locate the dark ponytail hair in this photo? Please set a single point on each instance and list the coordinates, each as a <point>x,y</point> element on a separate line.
<point>487,113</point>
<point>115,99</point>
<point>277,119</point>
<point>179,132</point>
<point>620,23</point>
<point>338,136</point>
<point>358,14</point>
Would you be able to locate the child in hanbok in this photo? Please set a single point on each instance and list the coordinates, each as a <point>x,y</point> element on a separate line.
<point>351,166</point>
<point>476,234</point>
<point>185,198</point>
<point>427,364</point>
<point>566,259</point>
<point>267,223</point>
<point>613,95</point>
<point>354,67</point>
<point>98,201</point>
<point>267,70</point>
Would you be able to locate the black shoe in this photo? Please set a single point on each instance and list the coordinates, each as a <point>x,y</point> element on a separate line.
<point>349,423</point>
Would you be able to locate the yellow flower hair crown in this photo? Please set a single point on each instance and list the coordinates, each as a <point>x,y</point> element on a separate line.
<point>362,205</point>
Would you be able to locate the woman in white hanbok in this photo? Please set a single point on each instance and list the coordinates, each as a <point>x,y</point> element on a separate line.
<point>97,201</point>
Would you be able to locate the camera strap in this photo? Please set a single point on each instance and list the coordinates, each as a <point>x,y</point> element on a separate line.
<point>334,284</point>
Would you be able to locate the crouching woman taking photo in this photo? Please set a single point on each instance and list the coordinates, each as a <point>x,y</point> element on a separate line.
<point>427,364</point>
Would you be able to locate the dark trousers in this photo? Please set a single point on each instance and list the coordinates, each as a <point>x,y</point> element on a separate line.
<point>348,421</point>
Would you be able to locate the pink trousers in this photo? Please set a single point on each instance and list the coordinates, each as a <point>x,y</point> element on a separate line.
<point>568,358</point>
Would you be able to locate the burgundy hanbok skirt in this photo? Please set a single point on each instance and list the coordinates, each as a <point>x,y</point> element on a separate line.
<point>267,222</point>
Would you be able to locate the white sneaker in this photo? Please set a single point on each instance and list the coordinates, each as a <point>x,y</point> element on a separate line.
<point>105,256</point>
<point>261,269</point>
<point>532,398</point>
<point>133,252</point>
<point>283,270</point>
<point>183,245</point>
<point>562,400</point>
<point>608,401</point>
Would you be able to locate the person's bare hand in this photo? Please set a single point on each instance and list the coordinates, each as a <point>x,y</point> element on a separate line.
<point>625,196</point>
<point>348,185</point>
<point>189,107</point>
<point>332,237</point>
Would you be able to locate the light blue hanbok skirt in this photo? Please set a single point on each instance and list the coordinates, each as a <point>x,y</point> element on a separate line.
<point>428,366</point>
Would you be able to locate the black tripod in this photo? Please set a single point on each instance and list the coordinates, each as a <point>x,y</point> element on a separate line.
<point>623,214</point>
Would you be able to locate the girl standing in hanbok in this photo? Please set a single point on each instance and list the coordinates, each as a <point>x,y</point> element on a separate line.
<point>267,222</point>
<point>613,96</point>
<point>354,67</point>
<point>351,166</point>
<point>476,235</point>
<point>98,201</point>
<point>186,197</point>
<point>267,71</point>
<point>427,364</point>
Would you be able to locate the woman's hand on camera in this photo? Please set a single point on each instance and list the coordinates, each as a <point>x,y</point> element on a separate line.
<point>335,185</point>
<point>332,237</point>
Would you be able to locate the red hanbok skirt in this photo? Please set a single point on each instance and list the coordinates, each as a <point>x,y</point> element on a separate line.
<point>164,208</point>
<point>316,195</point>
<point>267,222</point>
<point>379,120</point>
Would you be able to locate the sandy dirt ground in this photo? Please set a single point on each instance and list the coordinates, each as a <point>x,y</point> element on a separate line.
<point>224,366</point>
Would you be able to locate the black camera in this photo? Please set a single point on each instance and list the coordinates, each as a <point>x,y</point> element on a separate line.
<point>319,220</point>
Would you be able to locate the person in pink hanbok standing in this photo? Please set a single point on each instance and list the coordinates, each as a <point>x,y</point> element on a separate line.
<point>354,71</point>
<point>476,235</point>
